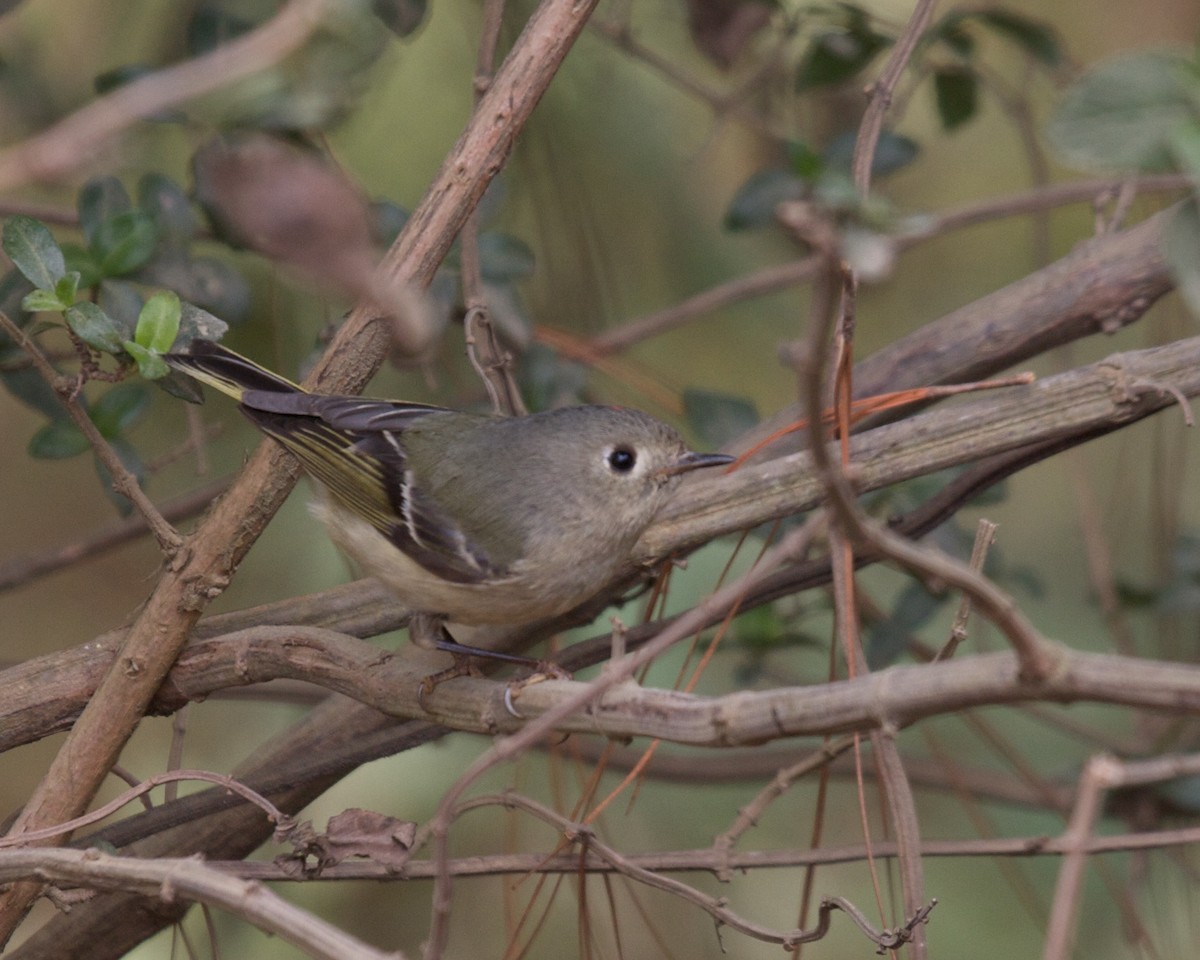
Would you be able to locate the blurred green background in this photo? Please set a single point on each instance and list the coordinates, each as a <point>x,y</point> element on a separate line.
<point>619,186</point>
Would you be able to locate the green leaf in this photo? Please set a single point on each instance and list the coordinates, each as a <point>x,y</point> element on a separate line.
<point>131,460</point>
<point>41,301</point>
<point>957,94</point>
<point>158,323</point>
<point>402,17</point>
<point>58,441</point>
<point>805,162</point>
<point>110,80</point>
<point>28,386</point>
<point>210,27</point>
<point>754,204</point>
<point>1183,793</point>
<point>387,220</point>
<point>80,261</point>
<point>1036,37</point>
<point>119,409</point>
<point>67,288</point>
<point>1181,246</point>
<point>150,364</point>
<point>168,206</point>
<point>949,31</point>
<point>504,258</point>
<point>207,282</point>
<point>101,199</point>
<point>124,242</point>
<point>313,87</point>
<point>182,386</point>
<point>94,327</point>
<point>888,640</point>
<point>759,629</point>
<point>197,324</point>
<point>717,418</point>
<point>33,251</point>
<point>892,152</point>
<point>123,301</point>
<point>837,56</point>
<point>1122,115</point>
<point>549,380</point>
<point>1184,142</point>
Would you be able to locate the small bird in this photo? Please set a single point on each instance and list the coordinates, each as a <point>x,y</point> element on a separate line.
<point>465,517</point>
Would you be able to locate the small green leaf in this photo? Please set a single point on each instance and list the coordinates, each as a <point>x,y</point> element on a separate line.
<point>888,639</point>
<point>101,199</point>
<point>158,323</point>
<point>549,380</point>
<point>13,288</point>
<point>181,386</point>
<point>80,261</point>
<point>1184,142</point>
<point>837,56</point>
<point>754,204</point>
<point>1036,37</point>
<point>33,251</point>
<point>197,324</point>
<point>119,76</point>
<point>836,191</point>
<point>205,281</point>
<point>949,31</point>
<point>131,460</point>
<point>28,386</point>
<point>957,96</point>
<point>892,152</point>
<point>124,242</point>
<point>804,161</point>
<point>402,17</point>
<point>210,27</point>
<point>94,327</point>
<point>387,220</point>
<point>67,288</point>
<point>1181,245</point>
<point>759,629</point>
<point>169,207</point>
<point>717,418</point>
<point>504,258</point>
<point>1132,596</point>
<point>57,441</point>
<point>123,301</point>
<point>1121,115</point>
<point>41,301</point>
<point>150,364</point>
<point>1183,793</point>
<point>119,409</point>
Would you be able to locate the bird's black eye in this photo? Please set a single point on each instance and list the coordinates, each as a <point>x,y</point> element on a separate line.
<point>621,459</point>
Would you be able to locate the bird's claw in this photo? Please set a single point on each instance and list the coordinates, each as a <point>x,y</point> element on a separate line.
<point>545,670</point>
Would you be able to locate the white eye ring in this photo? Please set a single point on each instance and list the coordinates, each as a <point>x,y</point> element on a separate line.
<point>621,459</point>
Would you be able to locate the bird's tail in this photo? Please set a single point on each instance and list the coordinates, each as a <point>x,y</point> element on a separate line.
<point>229,372</point>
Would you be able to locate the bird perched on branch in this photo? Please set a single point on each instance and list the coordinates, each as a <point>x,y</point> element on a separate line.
<point>466,517</point>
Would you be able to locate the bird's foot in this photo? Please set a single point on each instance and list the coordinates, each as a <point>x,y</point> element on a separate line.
<point>543,670</point>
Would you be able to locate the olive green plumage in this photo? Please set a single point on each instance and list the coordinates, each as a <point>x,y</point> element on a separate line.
<point>467,517</point>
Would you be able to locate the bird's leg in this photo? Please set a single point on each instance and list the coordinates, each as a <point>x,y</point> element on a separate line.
<point>429,631</point>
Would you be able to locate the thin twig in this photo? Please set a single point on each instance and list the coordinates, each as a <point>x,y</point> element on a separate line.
<point>781,276</point>
<point>19,570</point>
<point>190,879</point>
<point>985,535</point>
<point>124,482</point>
<point>75,141</point>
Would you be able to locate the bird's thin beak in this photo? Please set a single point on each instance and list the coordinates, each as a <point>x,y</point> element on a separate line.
<point>696,461</point>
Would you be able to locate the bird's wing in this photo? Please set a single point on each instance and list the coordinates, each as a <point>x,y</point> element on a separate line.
<point>355,448</point>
